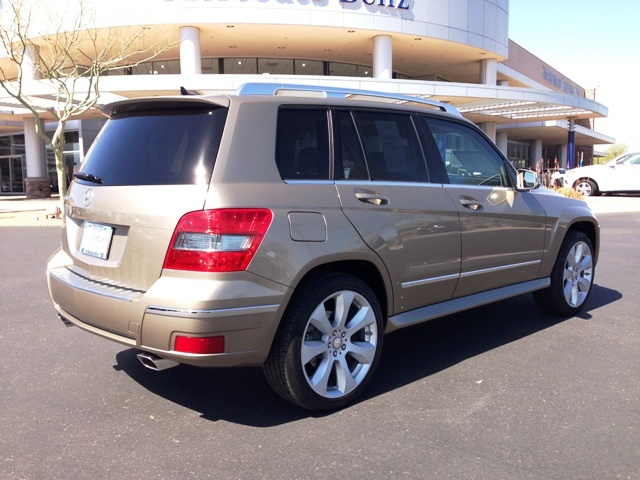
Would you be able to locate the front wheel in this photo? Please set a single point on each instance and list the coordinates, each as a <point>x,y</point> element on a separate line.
<point>328,345</point>
<point>571,277</point>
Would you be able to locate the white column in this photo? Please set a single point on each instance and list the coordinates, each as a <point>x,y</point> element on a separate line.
<point>382,56</point>
<point>29,64</point>
<point>33,150</point>
<point>502,141</point>
<point>190,60</point>
<point>562,155</point>
<point>489,71</point>
<point>535,153</point>
<point>489,128</point>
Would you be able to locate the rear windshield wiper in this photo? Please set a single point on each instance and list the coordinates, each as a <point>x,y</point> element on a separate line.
<point>89,177</point>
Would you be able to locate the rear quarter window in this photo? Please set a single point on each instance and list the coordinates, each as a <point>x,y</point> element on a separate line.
<point>302,144</point>
<point>157,147</point>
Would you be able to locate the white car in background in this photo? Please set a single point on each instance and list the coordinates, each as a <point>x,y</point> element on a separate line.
<point>622,174</point>
<point>557,177</point>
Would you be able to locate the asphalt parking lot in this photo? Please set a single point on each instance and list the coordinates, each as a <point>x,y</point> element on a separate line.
<point>500,392</point>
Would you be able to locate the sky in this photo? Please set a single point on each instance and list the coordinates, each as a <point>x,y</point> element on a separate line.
<point>594,43</point>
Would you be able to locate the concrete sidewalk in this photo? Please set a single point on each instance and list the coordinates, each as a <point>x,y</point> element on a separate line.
<point>20,211</point>
<point>614,203</point>
<point>21,203</point>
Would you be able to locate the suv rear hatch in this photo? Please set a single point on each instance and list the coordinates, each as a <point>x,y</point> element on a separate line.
<point>151,164</point>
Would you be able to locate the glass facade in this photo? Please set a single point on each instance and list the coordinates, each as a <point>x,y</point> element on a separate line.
<point>254,66</point>
<point>518,154</point>
<point>12,164</point>
<point>72,159</point>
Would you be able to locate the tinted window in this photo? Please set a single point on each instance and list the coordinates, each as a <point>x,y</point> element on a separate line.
<point>302,144</point>
<point>391,146</point>
<point>172,147</point>
<point>350,163</point>
<point>467,156</point>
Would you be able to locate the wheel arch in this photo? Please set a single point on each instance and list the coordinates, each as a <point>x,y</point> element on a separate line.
<point>361,269</point>
<point>590,230</point>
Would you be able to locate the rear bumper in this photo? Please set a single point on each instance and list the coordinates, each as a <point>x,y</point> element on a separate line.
<point>243,308</point>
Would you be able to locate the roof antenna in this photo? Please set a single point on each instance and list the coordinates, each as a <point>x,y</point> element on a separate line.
<point>183,91</point>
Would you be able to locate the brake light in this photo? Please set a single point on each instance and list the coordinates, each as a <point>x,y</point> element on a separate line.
<point>223,240</point>
<point>199,344</point>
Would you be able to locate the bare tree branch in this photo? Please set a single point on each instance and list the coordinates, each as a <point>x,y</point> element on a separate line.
<point>69,60</point>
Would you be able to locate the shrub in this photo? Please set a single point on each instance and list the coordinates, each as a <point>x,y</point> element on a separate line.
<point>568,192</point>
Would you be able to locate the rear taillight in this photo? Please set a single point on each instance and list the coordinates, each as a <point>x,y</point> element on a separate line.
<point>222,240</point>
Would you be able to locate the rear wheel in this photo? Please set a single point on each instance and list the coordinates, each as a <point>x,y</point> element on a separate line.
<point>571,277</point>
<point>328,345</point>
<point>586,187</point>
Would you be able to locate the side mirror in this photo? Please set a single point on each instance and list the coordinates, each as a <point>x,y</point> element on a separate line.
<point>527,180</point>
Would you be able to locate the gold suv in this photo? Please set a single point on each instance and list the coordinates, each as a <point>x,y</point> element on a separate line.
<point>291,227</point>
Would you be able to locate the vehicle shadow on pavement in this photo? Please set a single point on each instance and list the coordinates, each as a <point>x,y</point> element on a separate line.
<point>241,395</point>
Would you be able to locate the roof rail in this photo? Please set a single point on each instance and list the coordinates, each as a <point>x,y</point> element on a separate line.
<point>336,92</point>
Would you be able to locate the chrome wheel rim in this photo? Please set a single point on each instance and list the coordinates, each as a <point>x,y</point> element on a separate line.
<point>584,188</point>
<point>340,344</point>
<point>578,274</point>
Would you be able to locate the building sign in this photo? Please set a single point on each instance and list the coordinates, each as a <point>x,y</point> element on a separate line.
<point>399,4</point>
<point>558,81</point>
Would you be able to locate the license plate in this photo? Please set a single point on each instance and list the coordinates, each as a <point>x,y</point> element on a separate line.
<point>96,240</point>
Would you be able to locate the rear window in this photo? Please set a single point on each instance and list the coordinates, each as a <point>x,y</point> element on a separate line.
<point>158,147</point>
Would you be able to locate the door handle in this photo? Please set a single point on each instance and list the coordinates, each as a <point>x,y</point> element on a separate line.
<point>471,203</point>
<point>373,198</point>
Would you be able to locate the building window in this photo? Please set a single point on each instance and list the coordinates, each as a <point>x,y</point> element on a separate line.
<point>349,70</point>
<point>12,164</point>
<point>240,66</point>
<point>276,66</point>
<point>165,67</point>
<point>210,66</point>
<point>254,66</point>
<point>72,158</point>
<point>518,154</point>
<point>308,67</point>
<point>5,145</point>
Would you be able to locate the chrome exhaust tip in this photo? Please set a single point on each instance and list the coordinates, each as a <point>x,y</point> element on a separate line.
<point>66,321</point>
<point>156,363</point>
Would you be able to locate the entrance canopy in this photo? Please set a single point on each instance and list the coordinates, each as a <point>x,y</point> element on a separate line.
<point>509,108</point>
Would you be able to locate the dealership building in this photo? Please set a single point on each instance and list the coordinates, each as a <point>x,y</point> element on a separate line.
<point>453,51</point>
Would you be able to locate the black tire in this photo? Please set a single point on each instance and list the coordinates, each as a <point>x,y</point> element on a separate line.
<point>571,277</point>
<point>321,360</point>
<point>586,187</point>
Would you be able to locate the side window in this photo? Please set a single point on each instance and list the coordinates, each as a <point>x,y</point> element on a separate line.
<point>630,159</point>
<point>467,157</point>
<point>391,146</point>
<point>302,144</point>
<point>349,157</point>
